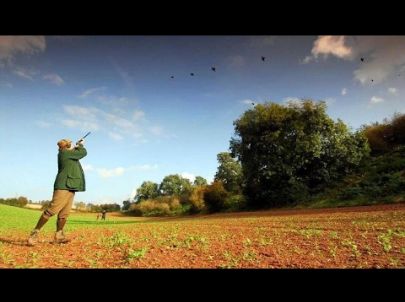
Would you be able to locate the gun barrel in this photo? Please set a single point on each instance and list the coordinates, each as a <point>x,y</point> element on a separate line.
<point>86,135</point>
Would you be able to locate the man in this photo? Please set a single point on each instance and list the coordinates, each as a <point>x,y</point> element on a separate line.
<point>70,179</point>
<point>103,214</point>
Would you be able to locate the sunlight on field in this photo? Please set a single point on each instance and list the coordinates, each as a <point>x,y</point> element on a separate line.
<point>358,237</point>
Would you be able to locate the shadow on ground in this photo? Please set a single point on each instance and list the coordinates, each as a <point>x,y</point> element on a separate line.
<point>20,242</point>
<point>72,221</point>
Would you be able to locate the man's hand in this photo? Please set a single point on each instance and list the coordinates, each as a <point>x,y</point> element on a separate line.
<point>80,142</point>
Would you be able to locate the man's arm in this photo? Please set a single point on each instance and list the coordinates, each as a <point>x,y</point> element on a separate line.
<point>77,153</point>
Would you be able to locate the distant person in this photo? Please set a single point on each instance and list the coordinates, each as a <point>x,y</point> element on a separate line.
<point>103,214</point>
<point>70,179</point>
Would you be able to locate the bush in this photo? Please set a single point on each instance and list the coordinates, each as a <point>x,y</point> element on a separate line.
<point>196,199</point>
<point>161,206</point>
<point>378,136</point>
<point>215,196</point>
<point>153,208</point>
<point>350,193</point>
<point>17,202</point>
<point>390,164</point>
<point>235,202</point>
<point>387,136</point>
<point>398,128</point>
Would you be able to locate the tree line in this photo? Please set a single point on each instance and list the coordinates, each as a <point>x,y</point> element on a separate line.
<point>280,155</point>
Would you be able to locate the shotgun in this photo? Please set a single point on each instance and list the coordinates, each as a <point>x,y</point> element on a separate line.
<point>82,138</point>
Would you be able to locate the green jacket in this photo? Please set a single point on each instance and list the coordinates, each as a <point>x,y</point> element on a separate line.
<point>70,173</point>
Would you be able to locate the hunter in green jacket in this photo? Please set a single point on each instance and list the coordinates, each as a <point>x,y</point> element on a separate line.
<point>69,180</point>
<point>70,172</point>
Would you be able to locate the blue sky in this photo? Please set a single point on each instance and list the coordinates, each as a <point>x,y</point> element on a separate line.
<point>146,125</point>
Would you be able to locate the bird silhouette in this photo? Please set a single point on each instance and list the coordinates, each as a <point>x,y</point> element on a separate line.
<point>172,77</point>
<point>213,69</point>
<point>192,74</point>
<point>263,58</point>
<point>362,59</point>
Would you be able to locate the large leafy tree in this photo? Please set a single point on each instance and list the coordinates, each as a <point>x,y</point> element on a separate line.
<point>229,172</point>
<point>386,136</point>
<point>200,181</point>
<point>147,190</point>
<point>174,185</point>
<point>289,151</point>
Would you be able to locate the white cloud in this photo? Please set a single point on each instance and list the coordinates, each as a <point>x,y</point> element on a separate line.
<point>91,118</point>
<point>119,171</point>
<point>189,176</point>
<point>82,125</point>
<point>292,100</point>
<point>91,91</point>
<point>54,79</point>
<point>392,90</point>
<point>85,113</point>
<point>344,91</point>
<point>138,114</point>
<point>375,100</point>
<point>111,100</point>
<point>24,73</point>
<point>384,56</point>
<point>10,46</point>
<point>156,130</point>
<point>88,168</point>
<point>120,122</point>
<point>43,124</point>
<point>306,60</point>
<point>331,45</point>
<point>115,136</point>
<point>107,173</point>
<point>124,75</point>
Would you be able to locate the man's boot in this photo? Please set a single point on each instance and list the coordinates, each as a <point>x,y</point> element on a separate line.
<point>33,239</point>
<point>60,237</point>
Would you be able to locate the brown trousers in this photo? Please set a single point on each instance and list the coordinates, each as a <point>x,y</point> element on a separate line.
<point>61,204</point>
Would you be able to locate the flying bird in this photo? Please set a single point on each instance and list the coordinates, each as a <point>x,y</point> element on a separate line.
<point>172,77</point>
<point>263,58</point>
<point>213,69</point>
<point>192,74</point>
<point>362,59</point>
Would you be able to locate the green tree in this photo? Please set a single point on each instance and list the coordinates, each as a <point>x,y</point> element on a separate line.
<point>398,128</point>
<point>148,190</point>
<point>387,136</point>
<point>175,185</point>
<point>125,205</point>
<point>110,207</point>
<point>289,151</point>
<point>200,181</point>
<point>229,172</point>
<point>215,196</point>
